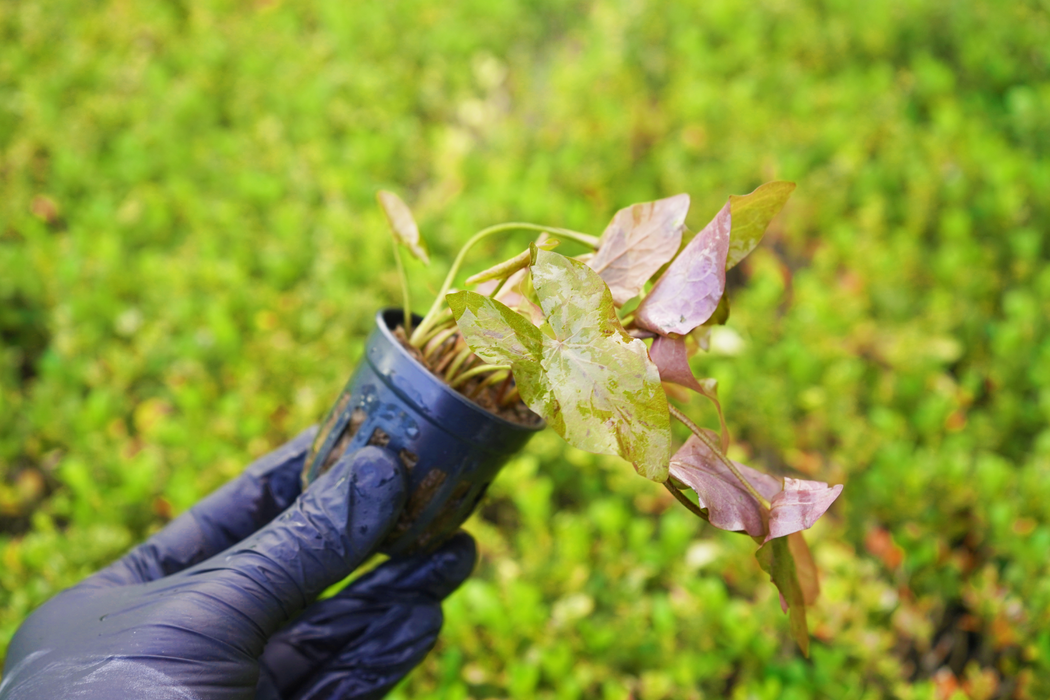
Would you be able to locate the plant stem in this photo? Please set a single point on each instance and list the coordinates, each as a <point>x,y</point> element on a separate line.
<point>503,388</point>
<point>489,381</point>
<point>692,507</point>
<point>437,340</point>
<point>511,397</point>
<point>480,369</point>
<point>435,308</point>
<point>407,321</point>
<point>498,288</point>
<point>711,445</point>
<point>456,363</point>
<point>438,328</point>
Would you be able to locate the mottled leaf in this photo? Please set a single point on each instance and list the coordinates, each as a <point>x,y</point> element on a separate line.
<point>590,381</point>
<point>498,334</point>
<point>672,359</point>
<point>688,293</point>
<point>402,225</point>
<point>799,505</point>
<point>751,215</point>
<point>775,558</point>
<point>638,241</point>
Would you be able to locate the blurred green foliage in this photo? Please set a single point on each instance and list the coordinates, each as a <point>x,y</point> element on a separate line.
<point>191,255</point>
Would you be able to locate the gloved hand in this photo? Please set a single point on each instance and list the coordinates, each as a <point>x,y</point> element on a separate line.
<point>213,605</point>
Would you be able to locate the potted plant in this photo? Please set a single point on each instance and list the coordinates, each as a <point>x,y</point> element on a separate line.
<point>583,345</point>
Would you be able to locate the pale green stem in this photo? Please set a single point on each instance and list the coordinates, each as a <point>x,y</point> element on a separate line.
<point>438,328</point>
<point>480,369</point>
<point>435,309</point>
<point>437,341</point>
<point>511,397</point>
<point>714,447</point>
<point>498,288</point>
<point>407,322</point>
<point>493,378</point>
<point>450,373</point>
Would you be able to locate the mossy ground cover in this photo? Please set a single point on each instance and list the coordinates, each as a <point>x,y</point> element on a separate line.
<point>191,256</point>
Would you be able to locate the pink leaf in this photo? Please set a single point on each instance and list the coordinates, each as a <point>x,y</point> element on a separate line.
<point>795,504</point>
<point>799,505</point>
<point>728,503</point>
<point>688,292</point>
<point>637,242</point>
<point>672,359</point>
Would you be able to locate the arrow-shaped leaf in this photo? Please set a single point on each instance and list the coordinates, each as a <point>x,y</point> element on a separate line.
<point>751,216</point>
<point>402,225</point>
<point>798,505</point>
<point>795,504</point>
<point>688,292</point>
<point>590,381</point>
<point>637,243</point>
<point>728,503</point>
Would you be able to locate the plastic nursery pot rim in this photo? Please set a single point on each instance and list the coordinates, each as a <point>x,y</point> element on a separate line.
<point>388,319</point>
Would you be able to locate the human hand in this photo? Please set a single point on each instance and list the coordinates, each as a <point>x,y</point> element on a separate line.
<point>213,605</point>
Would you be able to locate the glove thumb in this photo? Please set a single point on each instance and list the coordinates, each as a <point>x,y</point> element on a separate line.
<point>319,540</point>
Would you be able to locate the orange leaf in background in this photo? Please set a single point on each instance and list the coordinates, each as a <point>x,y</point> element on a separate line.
<point>880,545</point>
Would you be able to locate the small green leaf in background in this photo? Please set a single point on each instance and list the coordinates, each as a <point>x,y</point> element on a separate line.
<point>403,225</point>
<point>592,383</point>
<point>751,214</point>
<point>638,241</point>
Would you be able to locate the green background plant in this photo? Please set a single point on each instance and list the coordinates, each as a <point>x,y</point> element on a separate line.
<point>191,255</point>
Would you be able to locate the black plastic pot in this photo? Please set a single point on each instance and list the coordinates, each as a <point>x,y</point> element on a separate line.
<point>451,447</point>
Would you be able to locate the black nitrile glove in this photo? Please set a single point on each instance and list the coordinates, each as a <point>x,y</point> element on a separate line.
<point>220,604</point>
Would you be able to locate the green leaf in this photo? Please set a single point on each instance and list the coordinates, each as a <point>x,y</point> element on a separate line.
<point>402,225</point>
<point>592,383</point>
<point>496,333</point>
<point>776,559</point>
<point>751,214</point>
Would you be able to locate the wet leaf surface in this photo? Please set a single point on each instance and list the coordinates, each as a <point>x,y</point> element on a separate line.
<point>590,381</point>
<point>795,504</point>
<point>799,505</point>
<point>729,505</point>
